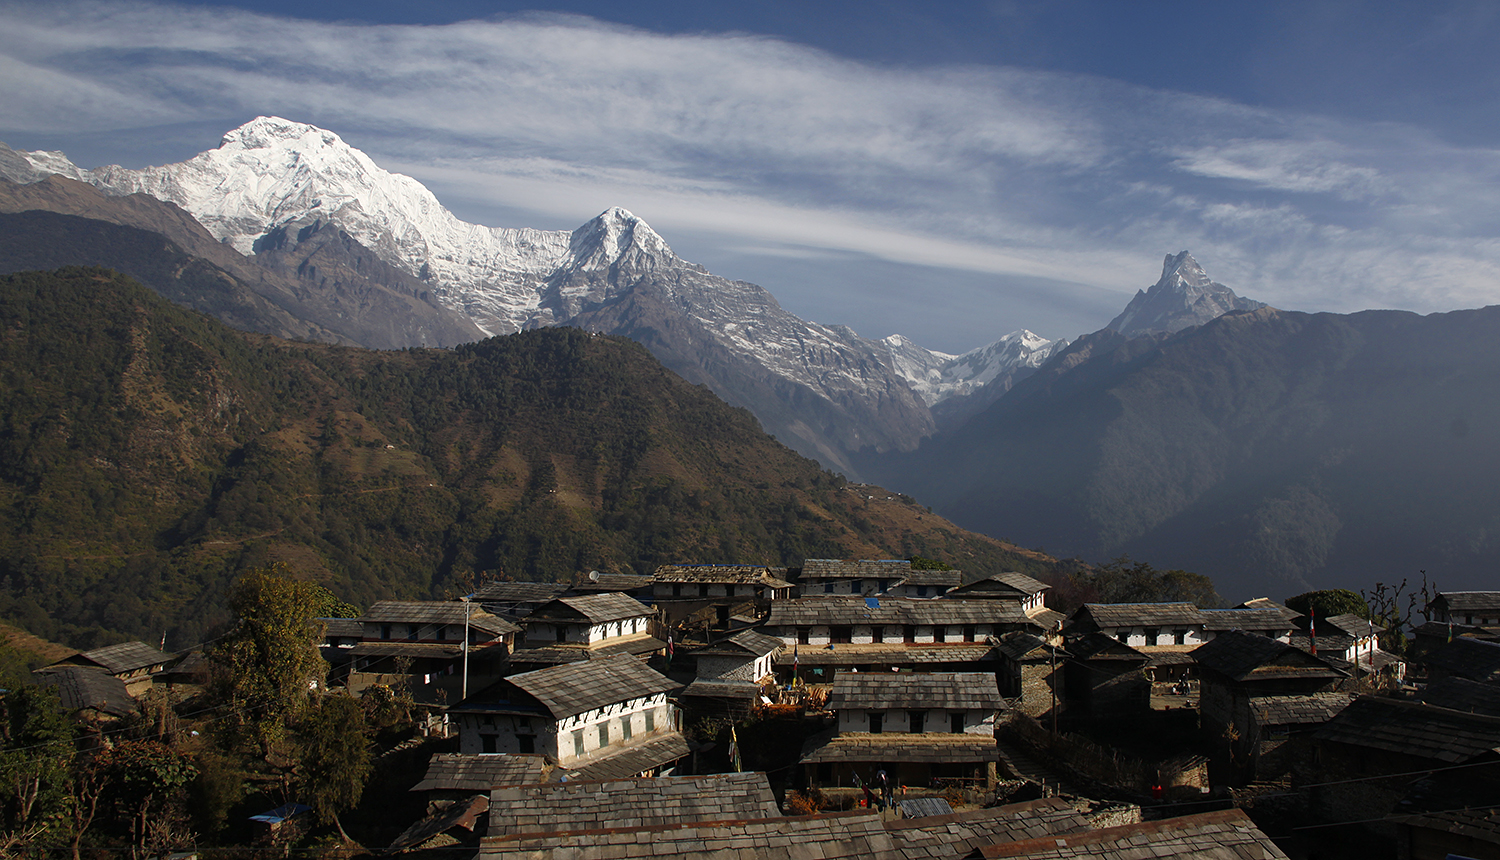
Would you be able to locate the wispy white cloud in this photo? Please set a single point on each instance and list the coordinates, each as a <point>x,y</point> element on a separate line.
<point>1014,174</point>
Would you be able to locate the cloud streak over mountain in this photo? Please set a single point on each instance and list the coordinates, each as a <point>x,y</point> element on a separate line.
<point>1016,186</point>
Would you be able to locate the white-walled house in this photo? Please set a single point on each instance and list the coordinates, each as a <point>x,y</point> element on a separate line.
<point>730,673</point>
<point>581,627</point>
<point>915,726</point>
<point>422,642</point>
<point>583,715</point>
<point>1141,625</point>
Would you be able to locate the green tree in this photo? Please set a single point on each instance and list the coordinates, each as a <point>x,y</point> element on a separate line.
<point>920,563</point>
<point>269,661</point>
<point>1329,602</point>
<point>335,757</point>
<point>141,775</point>
<point>35,750</point>
<point>1126,581</point>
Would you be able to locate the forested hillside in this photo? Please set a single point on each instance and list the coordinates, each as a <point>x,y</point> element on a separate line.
<point>147,453</point>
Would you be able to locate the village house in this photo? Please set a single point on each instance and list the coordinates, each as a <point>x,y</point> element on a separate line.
<point>435,648</point>
<point>1465,657</point>
<point>1018,587</point>
<point>1164,632</point>
<point>1470,608</point>
<point>340,635</point>
<point>829,635</point>
<point>1031,673</point>
<point>584,627</point>
<point>131,662</point>
<point>916,727</point>
<point>516,600</point>
<point>1367,756</point>
<point>925,584</point>
<point>830,577</point>
<point>597,719</point>
<point>709,594</point>
<point>1351,643</point>
<point>1105,678</point>
<point>561,807</point>
<point>89,694</point>
<point>1268,622</point>
<point>1246,704</point>
<point>731,673</point>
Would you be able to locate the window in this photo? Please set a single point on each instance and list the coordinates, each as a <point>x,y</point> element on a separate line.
<point>877,635</point>
<point>917,722</point>
<point>803,635</point>
<point>385,631</point>
<point>527,743</point>
<point>876,722</point>
<point>625,728</point>
<point>562,633</point>
<point>827,588</point>
<point>854,587</point>
<point>921,591</point>
<point>677,590</point>
<point>840,634</point>
<point>578,743</point>
<point>956,723</point>
<point>1151,634</point>
<point>411,631</point>
<point>487,743</point>
<point>968,633</point>
<point>939,633</point>
<point>650,721</point>
<point>703,589</point>
<point>909,633</point>
<point>604,734</point>
<point>1179,637</point>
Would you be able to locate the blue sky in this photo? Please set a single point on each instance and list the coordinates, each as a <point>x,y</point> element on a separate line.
<point>948,171</point>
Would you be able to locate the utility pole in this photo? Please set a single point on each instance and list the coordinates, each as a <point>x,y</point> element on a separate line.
<point>467,605</point>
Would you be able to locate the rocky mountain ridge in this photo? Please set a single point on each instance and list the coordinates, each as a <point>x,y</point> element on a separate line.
<point>823,389</point>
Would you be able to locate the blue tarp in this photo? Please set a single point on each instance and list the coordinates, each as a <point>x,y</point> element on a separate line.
<point>282,813</point>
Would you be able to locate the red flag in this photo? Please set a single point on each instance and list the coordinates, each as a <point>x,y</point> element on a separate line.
<point>1312,628</point>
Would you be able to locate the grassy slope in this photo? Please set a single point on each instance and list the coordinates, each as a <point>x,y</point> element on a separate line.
<point>147,453</point>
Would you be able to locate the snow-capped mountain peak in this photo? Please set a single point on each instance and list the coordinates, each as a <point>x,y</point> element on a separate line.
<point>1184,296</point>
<point>936,376</point>
<point>617,237</point>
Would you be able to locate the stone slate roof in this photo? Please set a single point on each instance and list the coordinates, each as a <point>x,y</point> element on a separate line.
<point>1462,694</point>
<point>956,834</point>
<point>593,608</point>
<point>1020,645</point>
<point>831,836</point>
<point>120,659</point>
<point>745,643</point>
<point>573,688</point>
<point>1467,657</point>
<point>633,760</point>
<point>613,582</point>
<point>895,655</point>
<point>553,655</point>
<point>931,747</point>
<point>1481,825</point>
<point>1328,643</point>
<point>466,772</point>
<point>1267,603</point>
<point>86,687</point>
<point>1470,601</point>
<point>1414,729</point>
<point>630,803</point>
<point>342,628</point>
<point>1014,586</point>
<point>939,578</point>
<point>1315,709</point>
<point>716,689</point>
<point>397,648</point>
<point>1350,625</point>
<point>463,815</point>
<point>889,611</point>
<point>1110,616</point>
<point>1224,835</point>
<point>1241,656</point>
<point>519,592</point>
<point>1097,646</point>
<point>436,612</point>
<point>820,569</point>
<point>952,691</point>
<point>723,574</point>
<point>837,836</point>
<point>1245,619</point>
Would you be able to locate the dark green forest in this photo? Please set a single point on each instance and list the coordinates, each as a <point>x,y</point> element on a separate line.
<point>148,454</point>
